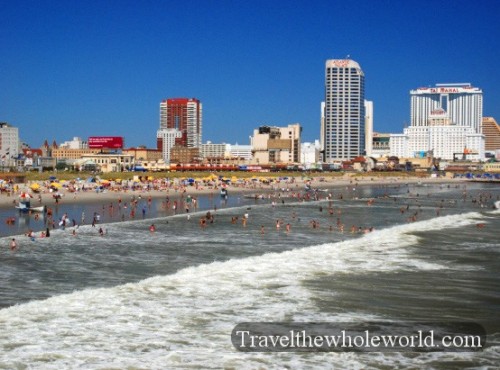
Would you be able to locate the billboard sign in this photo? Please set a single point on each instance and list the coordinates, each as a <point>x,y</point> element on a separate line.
<point>106,142</point>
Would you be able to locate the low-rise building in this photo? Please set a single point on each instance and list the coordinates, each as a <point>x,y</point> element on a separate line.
<point>144,154</point>
<point>211,150</point>
<point>165,140</point>
<point>240,152</point>
<point>380,145</point>
<point>276,144</point>
<point>182,154</point>
<point>111,162</point>
<point>491,167</point>
<point>70,155</point>
<point>310,153</point>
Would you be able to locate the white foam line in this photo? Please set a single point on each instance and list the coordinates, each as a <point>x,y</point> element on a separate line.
<point>194,309</point>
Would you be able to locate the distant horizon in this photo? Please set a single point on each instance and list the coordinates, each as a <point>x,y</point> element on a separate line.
<point>102,69</point>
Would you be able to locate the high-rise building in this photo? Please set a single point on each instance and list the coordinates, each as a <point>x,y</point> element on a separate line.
<point>368,127</point>
<point>445,122</point>
<point>322,129</point>
<point>491,132</point>
<point>184,115</point>
<point>9,144</point>
<point>344,124</point>
<point>462,103</point>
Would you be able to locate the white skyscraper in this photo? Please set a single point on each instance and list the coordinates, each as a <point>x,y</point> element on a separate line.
<point>322,128</point>
<point>462,103</point>
<point>9,143</point>
<point>344,127</point>
<point>445,122</point>
<point>368,127</point>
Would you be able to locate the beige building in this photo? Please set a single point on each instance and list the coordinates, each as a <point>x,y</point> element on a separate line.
<point>144,154</point>
<point>108,162</point>
<point>491,132</point>
<point>182,154</point>
<point>72,154</point>
<point>491,167</point>
<point>276,144</point>
<point>211,150</point>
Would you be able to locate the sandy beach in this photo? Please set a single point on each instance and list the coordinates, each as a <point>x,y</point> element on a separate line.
<point>45,196</point>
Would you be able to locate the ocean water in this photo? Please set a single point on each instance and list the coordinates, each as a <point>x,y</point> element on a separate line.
<point>170,299</point>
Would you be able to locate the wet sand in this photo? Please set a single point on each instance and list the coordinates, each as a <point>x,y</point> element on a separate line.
<point>175,192</point>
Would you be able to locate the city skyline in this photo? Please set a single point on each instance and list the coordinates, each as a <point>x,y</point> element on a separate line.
<point>94,69</point>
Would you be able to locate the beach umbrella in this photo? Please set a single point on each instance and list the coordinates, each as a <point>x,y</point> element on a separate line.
<point>55,185</point>
<point>35,187</point>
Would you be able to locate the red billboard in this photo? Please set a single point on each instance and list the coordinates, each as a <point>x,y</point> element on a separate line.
<point>106,142</point>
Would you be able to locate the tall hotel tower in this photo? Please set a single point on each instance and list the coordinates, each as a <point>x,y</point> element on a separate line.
<point>344,115</point>
<point>184,115</point>
<point>461,102</point>
<point>445,121</point>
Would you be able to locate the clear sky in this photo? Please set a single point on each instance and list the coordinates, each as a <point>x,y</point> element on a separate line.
<point>96,67</point>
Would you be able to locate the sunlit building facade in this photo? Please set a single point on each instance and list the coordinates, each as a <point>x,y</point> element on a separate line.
<point>184,115</point>
<point>445,123</point>
<point>344,117</point>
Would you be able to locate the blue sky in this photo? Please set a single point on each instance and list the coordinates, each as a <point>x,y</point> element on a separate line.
<point>88,68</point>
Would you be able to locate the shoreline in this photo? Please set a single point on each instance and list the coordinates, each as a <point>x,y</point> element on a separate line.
<point>297,185</point>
